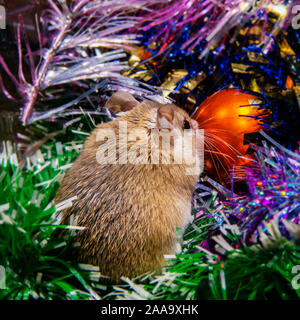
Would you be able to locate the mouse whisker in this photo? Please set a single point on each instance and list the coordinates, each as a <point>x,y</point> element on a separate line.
<point>214,158</point>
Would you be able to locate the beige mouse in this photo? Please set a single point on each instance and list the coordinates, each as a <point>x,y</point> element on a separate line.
<point>131,210</point>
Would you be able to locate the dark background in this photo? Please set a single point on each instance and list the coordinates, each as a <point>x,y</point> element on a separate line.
<point>29,9</point>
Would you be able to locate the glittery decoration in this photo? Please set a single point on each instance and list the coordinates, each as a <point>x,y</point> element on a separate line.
<point>269,211</point>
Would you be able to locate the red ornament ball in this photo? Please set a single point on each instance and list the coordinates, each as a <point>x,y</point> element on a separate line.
<point>225,117</point>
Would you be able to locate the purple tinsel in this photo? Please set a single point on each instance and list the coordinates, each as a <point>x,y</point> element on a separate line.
<point>212,19</point>
<point>274,190</point>
<point>271,208</point>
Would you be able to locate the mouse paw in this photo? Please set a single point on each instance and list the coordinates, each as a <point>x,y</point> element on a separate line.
<point>178,248</point>
<point>190,218</point>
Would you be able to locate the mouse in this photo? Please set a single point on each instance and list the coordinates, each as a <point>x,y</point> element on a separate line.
<point>133,210</point>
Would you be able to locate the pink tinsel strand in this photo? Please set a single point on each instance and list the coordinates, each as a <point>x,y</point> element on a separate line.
<point>214,18</point>
<point>70,31</point>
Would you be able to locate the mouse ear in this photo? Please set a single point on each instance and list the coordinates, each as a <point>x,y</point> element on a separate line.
<point>165,116</point>
<point>121,101</point>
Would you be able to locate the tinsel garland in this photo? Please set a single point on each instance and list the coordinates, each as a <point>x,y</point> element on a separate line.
<point>259,55</point>
<point>70,38</point>
<point>74,41</point>
<point>268,211</point>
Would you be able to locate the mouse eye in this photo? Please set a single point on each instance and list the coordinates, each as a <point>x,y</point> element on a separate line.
<point>186,125</point>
